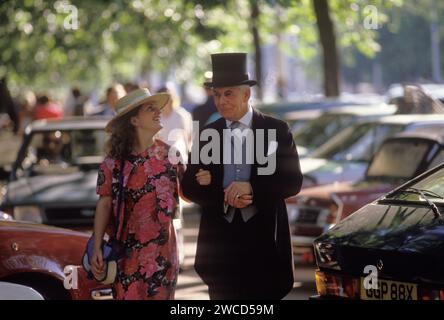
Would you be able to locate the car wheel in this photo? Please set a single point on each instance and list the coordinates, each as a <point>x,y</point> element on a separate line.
<point>49,288</point>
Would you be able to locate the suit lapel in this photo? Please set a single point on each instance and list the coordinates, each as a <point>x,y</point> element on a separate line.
<point>219,169</point>
<point>257,123</point>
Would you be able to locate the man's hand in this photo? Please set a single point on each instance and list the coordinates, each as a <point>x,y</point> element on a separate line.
<point>243,201</point>
<point>235,191</point>
<point>203,177</point>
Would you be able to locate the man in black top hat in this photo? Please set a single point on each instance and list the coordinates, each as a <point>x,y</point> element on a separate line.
<point>243,247</point>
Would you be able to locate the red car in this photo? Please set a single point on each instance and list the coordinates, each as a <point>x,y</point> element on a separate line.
<point>400,158</point>
<point>36,255</point>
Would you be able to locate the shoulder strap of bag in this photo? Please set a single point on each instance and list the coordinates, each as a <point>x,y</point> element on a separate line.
<point>119,199</point>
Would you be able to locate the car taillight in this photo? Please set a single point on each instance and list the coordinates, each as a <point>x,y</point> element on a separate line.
<point>337,286</point>
<point>429,294</point>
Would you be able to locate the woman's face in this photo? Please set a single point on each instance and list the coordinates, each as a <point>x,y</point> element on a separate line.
<point>148,119</point>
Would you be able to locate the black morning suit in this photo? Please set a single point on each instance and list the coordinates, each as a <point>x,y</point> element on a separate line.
<point>253,259</point>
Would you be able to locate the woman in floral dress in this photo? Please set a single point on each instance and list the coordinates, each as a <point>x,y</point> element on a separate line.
<point>149,267</point>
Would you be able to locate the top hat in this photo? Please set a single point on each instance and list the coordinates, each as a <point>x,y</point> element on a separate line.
<point>135,99</point>
<point>229,70</point>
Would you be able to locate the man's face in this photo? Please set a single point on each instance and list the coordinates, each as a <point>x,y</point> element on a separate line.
<point>231,102</point>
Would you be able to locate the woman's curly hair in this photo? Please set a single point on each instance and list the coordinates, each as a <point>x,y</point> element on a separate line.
<point>123,137</point>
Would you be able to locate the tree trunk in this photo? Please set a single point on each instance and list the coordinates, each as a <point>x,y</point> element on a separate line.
<point>257,47</point>
<point>328,42</point>
<point>435,48</point>
<point>7,105</point>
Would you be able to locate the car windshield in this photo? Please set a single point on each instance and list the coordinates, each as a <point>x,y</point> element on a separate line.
<point>62,151</point>
<point>398,159</point>
<point>357,143</point>
<point>316,131</point>
<point>297,124</point>
<point>431,186</point>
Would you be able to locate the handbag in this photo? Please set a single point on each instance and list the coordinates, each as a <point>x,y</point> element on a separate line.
<point>112,250</point>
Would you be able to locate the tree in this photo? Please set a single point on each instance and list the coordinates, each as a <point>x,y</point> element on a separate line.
<point>327,38</point>
<point>257,46</point>
<point>343,24</point>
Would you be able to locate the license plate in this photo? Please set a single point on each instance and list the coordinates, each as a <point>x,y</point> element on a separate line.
<point>390,290</point>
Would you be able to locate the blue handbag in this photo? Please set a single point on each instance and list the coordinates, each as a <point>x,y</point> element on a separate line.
<point>112,250</point>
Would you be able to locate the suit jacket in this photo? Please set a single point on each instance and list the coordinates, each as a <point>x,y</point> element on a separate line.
<point>268,268</point>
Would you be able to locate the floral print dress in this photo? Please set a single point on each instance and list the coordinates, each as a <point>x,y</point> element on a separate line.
<point>150,267</point>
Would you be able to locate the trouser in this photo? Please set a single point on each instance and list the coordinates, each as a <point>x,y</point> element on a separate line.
<point>233,288</point>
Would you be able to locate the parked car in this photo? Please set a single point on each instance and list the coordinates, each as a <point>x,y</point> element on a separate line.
<point>53,180</point>
<point>345,157</point>
<point>318,130</point>
<point>36,255</point>
<point>396,91</point>
<point>400,158</point>
<point>298,119</point>
<point>400,236</point>
<point>12,291</point>
<point>282,107</point>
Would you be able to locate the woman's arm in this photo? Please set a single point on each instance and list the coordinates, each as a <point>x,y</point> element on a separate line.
<point>101,218</point>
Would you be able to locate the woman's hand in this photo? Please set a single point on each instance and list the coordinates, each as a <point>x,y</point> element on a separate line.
<point>203,177</point>
<point>97,266</point>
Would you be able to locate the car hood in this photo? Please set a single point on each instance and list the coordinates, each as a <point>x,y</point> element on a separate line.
<point>325,171</point>
<point>408,241</point>
<point>68,188</point>
<point>25,226</point>
<point>325,191</point>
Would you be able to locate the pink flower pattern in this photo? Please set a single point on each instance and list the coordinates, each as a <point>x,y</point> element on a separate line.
<point>150,268</point>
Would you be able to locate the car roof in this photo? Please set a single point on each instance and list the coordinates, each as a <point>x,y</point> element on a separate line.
<point>302,114</point>
<point>364,110</point>
<point>353,110</point>
<point>70,123</point>
<point>433,89</point>
<point>422,133</point>
<point>411,118</point>
<point>324,104</point>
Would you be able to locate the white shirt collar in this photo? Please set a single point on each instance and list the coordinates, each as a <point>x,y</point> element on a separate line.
<point>245,120</point>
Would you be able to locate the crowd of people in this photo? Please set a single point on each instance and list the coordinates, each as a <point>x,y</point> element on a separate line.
<point>20,111</point>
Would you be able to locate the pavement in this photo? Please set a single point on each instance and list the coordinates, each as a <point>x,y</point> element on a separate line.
<point>191,287</point>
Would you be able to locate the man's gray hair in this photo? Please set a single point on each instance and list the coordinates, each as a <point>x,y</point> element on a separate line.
<point>244,87</point>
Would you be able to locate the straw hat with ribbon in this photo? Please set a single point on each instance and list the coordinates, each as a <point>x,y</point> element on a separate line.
<point>135,99</point>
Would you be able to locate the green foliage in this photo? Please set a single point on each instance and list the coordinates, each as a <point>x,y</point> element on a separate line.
<point>124,39</point>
